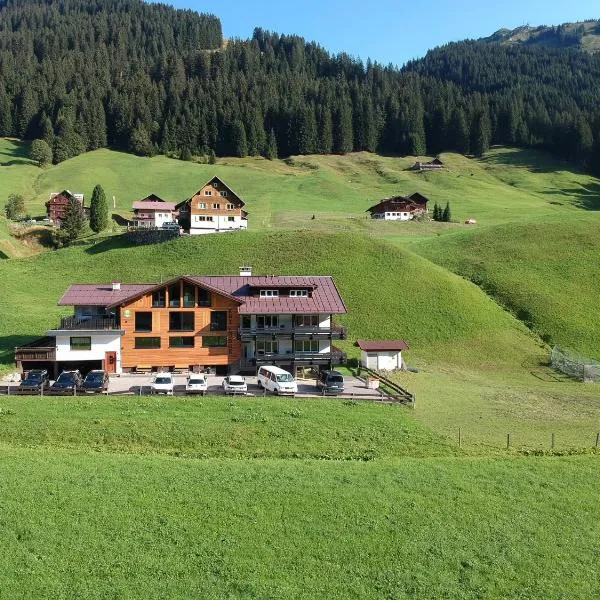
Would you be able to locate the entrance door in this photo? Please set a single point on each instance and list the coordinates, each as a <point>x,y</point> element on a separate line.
<point>110,362</point>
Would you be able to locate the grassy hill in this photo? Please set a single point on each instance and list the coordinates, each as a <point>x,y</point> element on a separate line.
<point>545,271</point>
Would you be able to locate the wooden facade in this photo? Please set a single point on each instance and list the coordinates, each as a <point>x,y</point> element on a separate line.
<point>199,353</point>
<point>56,207</point>
<point>212,194</point>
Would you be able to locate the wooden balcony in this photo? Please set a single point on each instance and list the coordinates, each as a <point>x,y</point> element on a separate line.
<point>88,323</point>
<point>40,350</point>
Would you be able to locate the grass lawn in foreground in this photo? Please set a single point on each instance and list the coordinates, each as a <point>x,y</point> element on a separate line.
<point>99,525</point>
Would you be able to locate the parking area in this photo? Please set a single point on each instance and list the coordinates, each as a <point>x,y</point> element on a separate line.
<point>137,384</point>
<point>354,387</point>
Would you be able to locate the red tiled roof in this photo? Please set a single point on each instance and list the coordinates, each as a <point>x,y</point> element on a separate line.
<point>324,297</point>
<point>101,294</point>
<point>383,345</point>
<point>141,204</point>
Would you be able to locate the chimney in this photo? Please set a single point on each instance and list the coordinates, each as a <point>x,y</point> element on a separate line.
<point>246,271</point>
<point>116,286</point>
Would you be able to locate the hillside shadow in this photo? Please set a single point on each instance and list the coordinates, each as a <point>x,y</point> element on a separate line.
<point>15,154</point>
<point>115,242</point>
<point>584,197</point>
<point>8,343</point>
<point>119,220</point>
<point>533,161</point>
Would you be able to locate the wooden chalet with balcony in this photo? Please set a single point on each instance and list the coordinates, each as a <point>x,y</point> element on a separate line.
<point>228,324</point>
<point>56,207</point>
<point>214,208</point>
<point>400,208</point>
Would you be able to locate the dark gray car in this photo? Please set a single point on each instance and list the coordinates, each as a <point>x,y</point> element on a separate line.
<point>330,382</point>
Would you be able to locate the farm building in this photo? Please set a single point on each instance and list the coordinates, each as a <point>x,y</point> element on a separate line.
<point>432,165</point>
<point>383,355</point>
<point>214,208</point>
<point>56,207</point>
<point>399,208</point>
<point>153,211</point>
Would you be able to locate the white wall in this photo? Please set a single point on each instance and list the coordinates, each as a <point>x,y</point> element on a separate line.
<point>219,223</point>
<point>101,343</point>
<point>385,361</point>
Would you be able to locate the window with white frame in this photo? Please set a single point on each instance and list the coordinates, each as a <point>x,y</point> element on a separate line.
<point>201,204</point>
<point>267,347</point>
<point>306,321</point>
<point>224,193</point>
<point>216,206</point>
<point>298,293</point>
<point>230,206</point>
<point>269,293</point>
<point>208,192</point>
<point>215,184</point>
<point>306,346</point>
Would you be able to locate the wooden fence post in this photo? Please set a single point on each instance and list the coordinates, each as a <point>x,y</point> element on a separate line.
<point>552,441</point>
<point>508,441</point>
<point>459,438</point>
<point>597,439</point>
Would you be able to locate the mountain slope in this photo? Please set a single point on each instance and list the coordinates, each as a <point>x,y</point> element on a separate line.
<point>583,35</point>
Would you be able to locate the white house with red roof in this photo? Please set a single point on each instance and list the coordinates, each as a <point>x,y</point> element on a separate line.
<point>153,212</point>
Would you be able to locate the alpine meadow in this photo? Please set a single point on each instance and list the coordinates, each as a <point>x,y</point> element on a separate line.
<point>484,486</point>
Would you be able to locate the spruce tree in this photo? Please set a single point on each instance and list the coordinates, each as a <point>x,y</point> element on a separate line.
<point>436,212</point>
<point>41,153</point>
<point>446,214</point>
<point>98,210</point>
<point>240,143</point>
<point>73,224</point>
<point>271,150</point>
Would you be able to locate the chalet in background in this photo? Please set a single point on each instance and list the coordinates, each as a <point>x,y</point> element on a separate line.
<point>436,163</point>
<point>152,212</point>
<point>229,324</point>
<point>400,208</point>
<point>56,207</point>
<point>214,208</point>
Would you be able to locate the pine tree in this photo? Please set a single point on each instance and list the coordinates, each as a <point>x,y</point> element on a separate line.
<point>342,131</point>
<point>73,223</point>
<point>325,131</point>
<point>436,212</point>
<point>271,150</point>
<point>458,132</point>
<point>239,140</point>
<point>212,158</point>
<point>480,142</point>
<point>98,210</point>
<point>446,214</point>
<point>41,153</point>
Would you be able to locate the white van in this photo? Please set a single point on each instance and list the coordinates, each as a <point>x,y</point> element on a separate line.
<point>277,380</point>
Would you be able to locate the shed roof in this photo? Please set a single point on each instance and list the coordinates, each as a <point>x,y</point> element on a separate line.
<point>381,345</point>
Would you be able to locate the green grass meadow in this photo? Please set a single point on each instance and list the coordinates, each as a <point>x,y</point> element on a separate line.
<point>145,497</point>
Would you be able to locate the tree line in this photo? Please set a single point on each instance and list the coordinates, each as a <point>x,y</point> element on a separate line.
<point>146,78</point>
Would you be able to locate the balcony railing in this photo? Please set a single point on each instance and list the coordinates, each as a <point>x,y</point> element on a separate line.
<point>336,332</point>
<point>88,323</point>
<point>41,349</point>
<point>337,357</point>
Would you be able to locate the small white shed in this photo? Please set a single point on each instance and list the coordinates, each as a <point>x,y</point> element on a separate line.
<point>384,355</point>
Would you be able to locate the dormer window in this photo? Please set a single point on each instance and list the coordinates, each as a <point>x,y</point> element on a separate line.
<point>269,293</point>
<point>298,293</point>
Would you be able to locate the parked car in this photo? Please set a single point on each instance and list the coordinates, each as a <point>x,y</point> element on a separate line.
<point>277,380</point>
<point>234,384</point>
<point>196,384</point>
<point>67,382</point>
<point>170,225</point>
<point>163,384</point>
<point>35,381</point>
<point>95,381</point>
<point>330,382</point>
